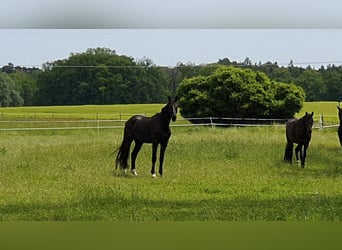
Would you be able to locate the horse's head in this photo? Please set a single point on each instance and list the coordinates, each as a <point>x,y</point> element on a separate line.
<point>171,108</point>
<point>308,122</point>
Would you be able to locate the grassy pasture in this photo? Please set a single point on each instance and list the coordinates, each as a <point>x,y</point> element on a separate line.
<point>328,109</point>
<point>210,174</point>
<point>79,112</point>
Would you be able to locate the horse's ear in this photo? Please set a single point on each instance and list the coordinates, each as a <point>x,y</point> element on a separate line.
<point>306,113</point>
<point>176,98</point>
<point>169,98</point>
<point>312,113</point>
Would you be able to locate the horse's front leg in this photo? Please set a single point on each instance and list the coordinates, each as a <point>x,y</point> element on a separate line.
<point>304,155</point>
<point>161,157</point>
<point>154,158</point>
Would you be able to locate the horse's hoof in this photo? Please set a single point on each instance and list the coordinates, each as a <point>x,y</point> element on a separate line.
<point>154,175</point>
<point>134,172</point>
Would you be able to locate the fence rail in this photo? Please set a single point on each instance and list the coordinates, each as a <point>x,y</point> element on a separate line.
<point>98,124</point>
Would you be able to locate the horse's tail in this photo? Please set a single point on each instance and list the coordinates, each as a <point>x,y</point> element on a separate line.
<point>123,154</point>
<point>288,152</point>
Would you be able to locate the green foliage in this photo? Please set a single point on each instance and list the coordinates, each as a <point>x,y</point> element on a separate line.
<point>100,76</point>
<point>332,77</point>
<point>324,84</point>
<point>312,83</point>
<point>236,92</point>
<point>26,84</point>
<point>289,99</point>
<point>8,95</point>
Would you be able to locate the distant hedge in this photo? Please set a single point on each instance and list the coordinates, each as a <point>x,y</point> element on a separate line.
<point>237,92</point>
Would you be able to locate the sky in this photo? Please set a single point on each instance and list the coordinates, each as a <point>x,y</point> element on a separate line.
<point>33,32</point>
<point>167,47</point>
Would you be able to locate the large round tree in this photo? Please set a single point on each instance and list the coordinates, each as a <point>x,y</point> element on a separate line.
<point>237,92</point>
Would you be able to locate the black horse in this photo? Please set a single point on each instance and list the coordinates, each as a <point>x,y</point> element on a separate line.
<point>298,131</point>
<point>339,131</point>
<point>141,129</point>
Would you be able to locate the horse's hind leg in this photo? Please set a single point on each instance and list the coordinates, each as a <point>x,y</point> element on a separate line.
<point>288,152</point>
<point>134,155</point>
<point>299,150</point>
<point>123,153</point>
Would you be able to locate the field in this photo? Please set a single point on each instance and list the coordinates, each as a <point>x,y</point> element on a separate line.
<point>210,174</point>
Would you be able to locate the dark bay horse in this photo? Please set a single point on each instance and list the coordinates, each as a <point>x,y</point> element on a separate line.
<point>141,129</point>
<point>339,131</point>
<point>298,131</point>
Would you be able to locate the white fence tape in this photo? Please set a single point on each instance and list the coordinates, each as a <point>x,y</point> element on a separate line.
<point>99,124</point>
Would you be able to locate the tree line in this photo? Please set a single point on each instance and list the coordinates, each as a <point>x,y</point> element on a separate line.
<point>101,76</point>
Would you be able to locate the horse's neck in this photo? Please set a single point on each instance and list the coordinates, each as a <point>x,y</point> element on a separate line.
<point>301,122</point>
<point>166,119</point>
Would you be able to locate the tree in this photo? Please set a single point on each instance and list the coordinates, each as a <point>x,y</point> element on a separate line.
<point>312,83</point>
<point>100,76</point>
<point>288,99</point>
<point>25,84</point>
<point>247,62</point>
<point>9,68</point>
<point>290,65</point>
<point>8,95</point>
<point>236,92</point>
<point>332,78</point>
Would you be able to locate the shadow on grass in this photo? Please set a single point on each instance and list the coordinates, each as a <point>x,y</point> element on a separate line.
<point>330,168</point>
<point>116,207</point>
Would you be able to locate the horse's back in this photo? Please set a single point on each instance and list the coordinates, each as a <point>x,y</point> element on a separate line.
<point>147,129</point>
<point>139,128</point>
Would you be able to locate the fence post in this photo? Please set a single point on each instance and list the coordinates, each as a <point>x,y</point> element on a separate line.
<point>211,122</point>
<point>98,123</point>
<point>321,122</point>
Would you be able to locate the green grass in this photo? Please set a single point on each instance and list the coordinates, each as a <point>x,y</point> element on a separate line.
<point>328,109</point>
<point>79,112</point>
<point>210,174</point>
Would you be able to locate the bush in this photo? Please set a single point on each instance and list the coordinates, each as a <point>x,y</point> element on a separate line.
<point>236,92</point>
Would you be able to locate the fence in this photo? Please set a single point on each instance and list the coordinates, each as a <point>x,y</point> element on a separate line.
<point>33,123</point>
